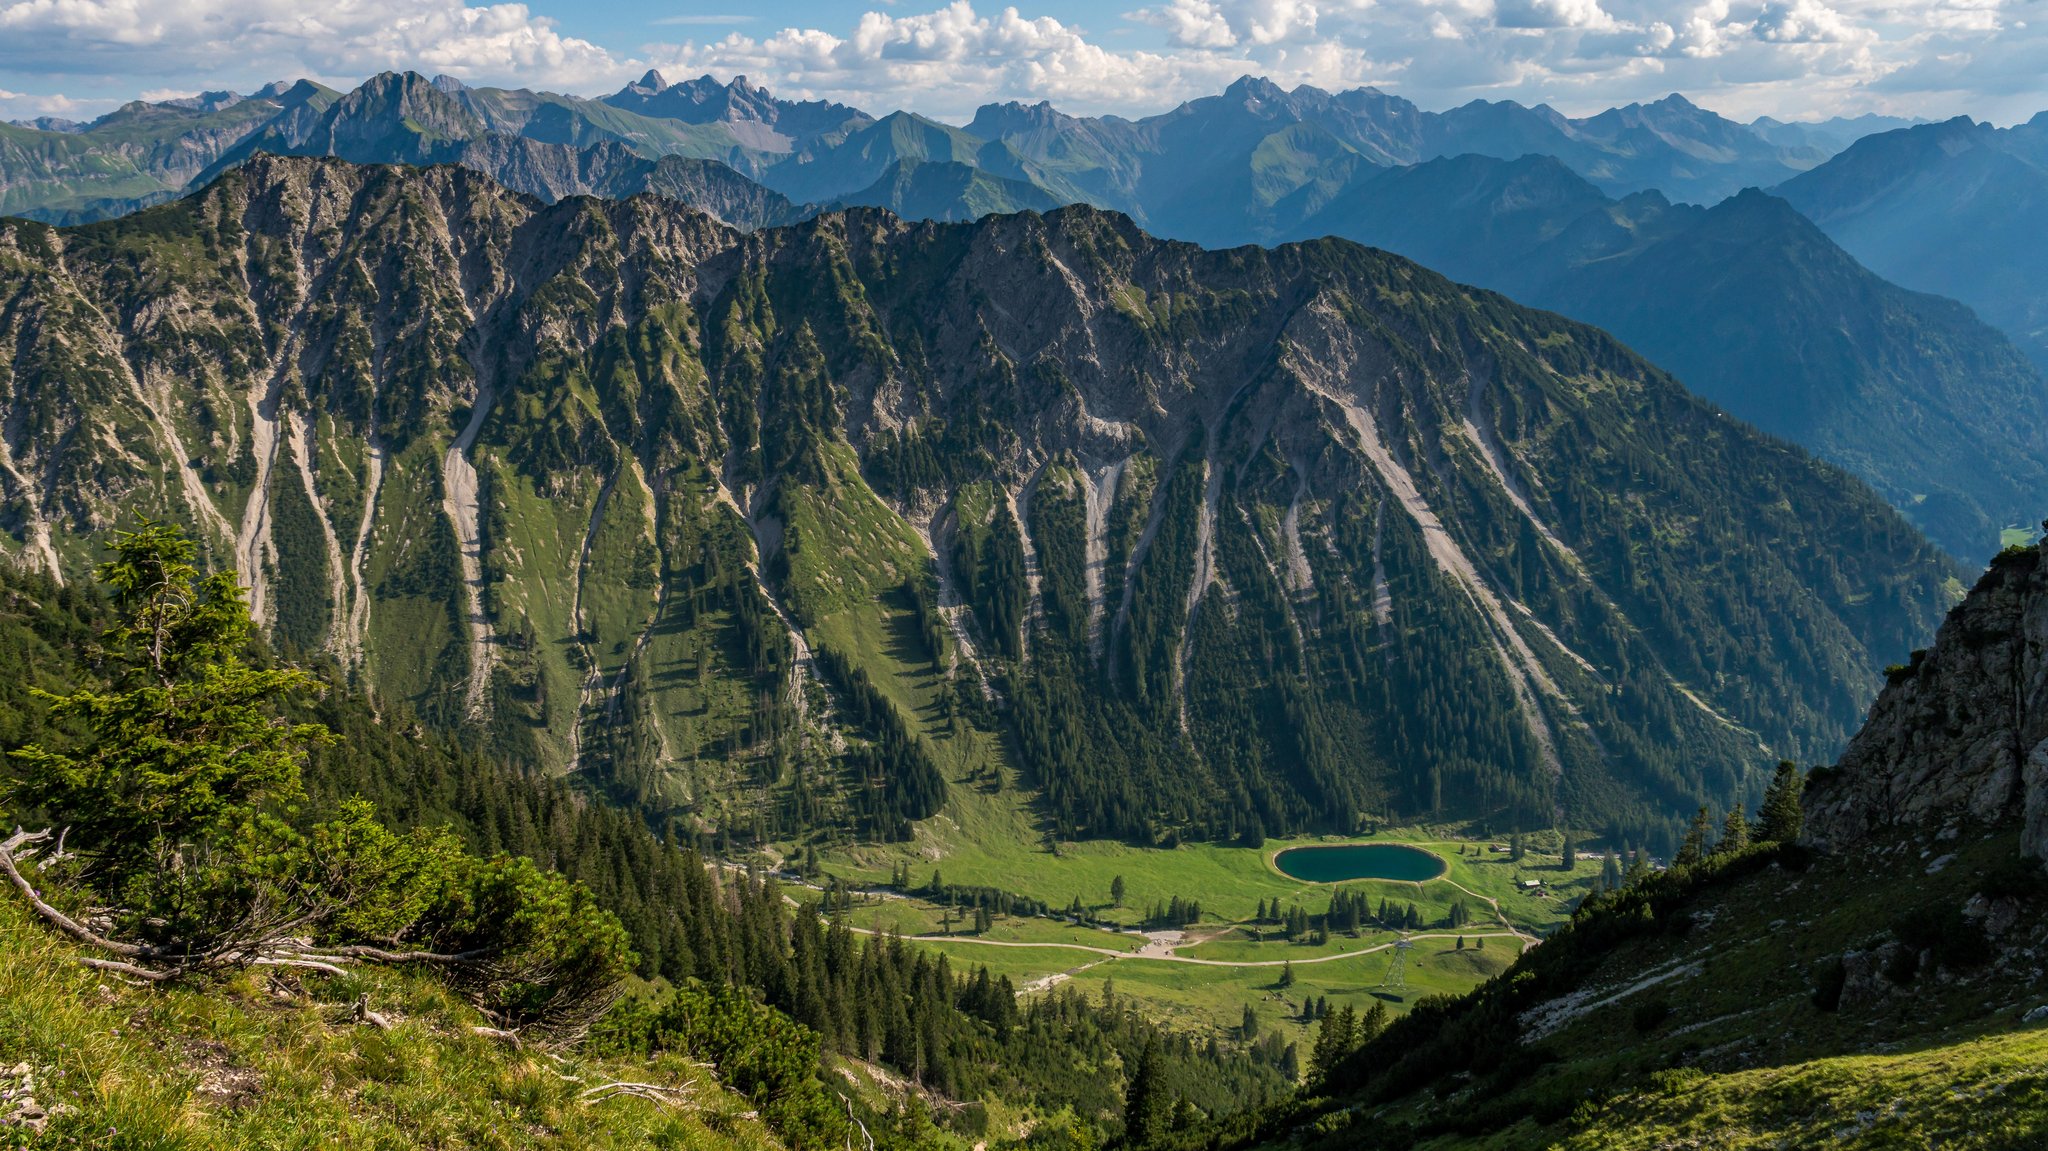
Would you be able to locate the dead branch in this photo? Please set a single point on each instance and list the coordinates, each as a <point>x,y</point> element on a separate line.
<point>58,919</point>
<point>129,969</point>
<point>287,961</point>
<point>510,1038</point>
<point>274,947</point>
<point>666,1096</point>
<point>870,1139</point>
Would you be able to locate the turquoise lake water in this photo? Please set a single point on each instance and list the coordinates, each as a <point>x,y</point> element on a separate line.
<point>1339,862</point>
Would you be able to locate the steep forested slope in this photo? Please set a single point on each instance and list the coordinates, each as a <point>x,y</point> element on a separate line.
<point>790,532</point>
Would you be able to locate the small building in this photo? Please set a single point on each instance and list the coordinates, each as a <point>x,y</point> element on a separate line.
<point>1530,884</point>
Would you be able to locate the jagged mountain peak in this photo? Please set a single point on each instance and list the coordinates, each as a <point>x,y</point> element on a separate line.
<point>708,100</point>
<point>1013,117</point>
<point>1249,87</point>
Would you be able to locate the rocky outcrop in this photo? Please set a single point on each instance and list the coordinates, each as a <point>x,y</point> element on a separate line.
<point>1959,734</point>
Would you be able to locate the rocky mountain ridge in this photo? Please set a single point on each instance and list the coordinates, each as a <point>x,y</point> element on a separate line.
<point>1959,207</point>
<point>1781,328</point>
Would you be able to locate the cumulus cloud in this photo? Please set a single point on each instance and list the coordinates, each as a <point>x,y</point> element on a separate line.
<point>193,39</point>
<point>947,62</point>
<point>1745,57</point>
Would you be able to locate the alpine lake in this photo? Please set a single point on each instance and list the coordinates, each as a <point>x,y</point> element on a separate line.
<point>1339,863</point>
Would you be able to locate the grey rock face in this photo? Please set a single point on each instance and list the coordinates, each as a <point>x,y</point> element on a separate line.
<point>1962,732</point>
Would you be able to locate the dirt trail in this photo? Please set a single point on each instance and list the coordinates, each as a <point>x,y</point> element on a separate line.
<point>1549,1017</point>
<point>1048,982</point>
<point>1165,954</point>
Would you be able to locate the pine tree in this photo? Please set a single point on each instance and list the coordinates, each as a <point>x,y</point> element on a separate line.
<point>1248,1029</point>
<point>1334,1040</point>
<point>1693,850</point>
<point>1734,833</point>
<point>1568,857</point>
<point>1610,871</point>
<point>188,745</point>
<point>1287,973</point>
<point>1781,819</point>
<point>1116,892</point>
<point>1147,1109</point>
<point>1370,1024</point>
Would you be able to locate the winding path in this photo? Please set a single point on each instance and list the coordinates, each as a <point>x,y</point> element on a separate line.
<point>1169,957</point>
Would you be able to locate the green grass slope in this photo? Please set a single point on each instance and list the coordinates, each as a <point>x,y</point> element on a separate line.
<point>271,1060</point>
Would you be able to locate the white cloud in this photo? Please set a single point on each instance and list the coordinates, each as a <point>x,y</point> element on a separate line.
<point>949,61</point>
<point>190,39</point>
<point>28,106</point>
<point>1553,14</point>
<point>1228,24</point>
<point>1190,24</point>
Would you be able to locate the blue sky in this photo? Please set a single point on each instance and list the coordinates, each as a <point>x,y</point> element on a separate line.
<point>1794,59</point>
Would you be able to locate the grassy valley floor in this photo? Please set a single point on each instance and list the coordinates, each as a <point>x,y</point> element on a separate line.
<point>1203,976</point>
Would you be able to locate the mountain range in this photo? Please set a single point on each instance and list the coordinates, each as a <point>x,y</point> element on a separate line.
<point>814,151</point>
<point>1770,319</point>
<point>730,522</point>
<point>1753,307</point>
<point>693,470</point>
<point>1959,208</point>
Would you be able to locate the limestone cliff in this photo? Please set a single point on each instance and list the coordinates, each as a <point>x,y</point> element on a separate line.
<point>1960,734</point>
